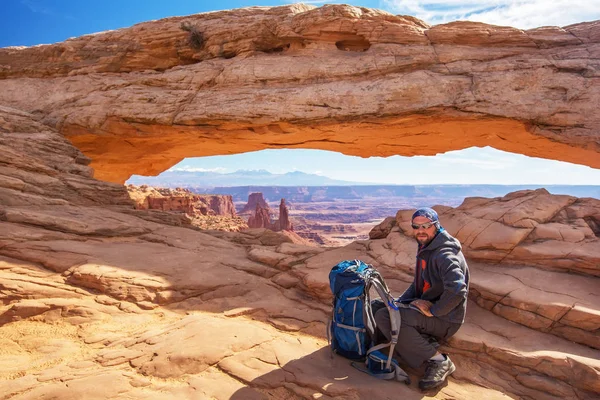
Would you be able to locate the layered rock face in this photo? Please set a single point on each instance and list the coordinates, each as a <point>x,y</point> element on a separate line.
<point>341,78</point>
<point>528,229</point>
<point>255,200</point>
<point>262,218</point>
<point>206,212</point>
<point>182,200</point>
<point>101,300</point>
<point>40,167</point>
<point>100,297</point>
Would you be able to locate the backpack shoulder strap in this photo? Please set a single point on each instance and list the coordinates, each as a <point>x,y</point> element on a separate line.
<point>375,280</point>
<point>384,293</point>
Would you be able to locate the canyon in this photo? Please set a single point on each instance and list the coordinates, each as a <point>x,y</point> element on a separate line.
<point>202,211</point>
<point>104,300</point>
<point>339,215</point>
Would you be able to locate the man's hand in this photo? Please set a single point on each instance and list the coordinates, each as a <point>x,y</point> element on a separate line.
<point>423,306</point>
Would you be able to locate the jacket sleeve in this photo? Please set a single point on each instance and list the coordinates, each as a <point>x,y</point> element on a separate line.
<point>409,293</point>
<point>455,285</point>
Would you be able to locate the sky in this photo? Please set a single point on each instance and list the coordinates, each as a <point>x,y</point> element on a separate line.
<point>470,166</point>
<point>33,22</point>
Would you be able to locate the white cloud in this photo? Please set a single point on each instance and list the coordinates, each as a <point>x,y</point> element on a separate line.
<point>36,7</point>
<point>311,2</point>
<point>482,158</point>
<point>523,14</point>
<point>39,8</point>
<point>194,169</point>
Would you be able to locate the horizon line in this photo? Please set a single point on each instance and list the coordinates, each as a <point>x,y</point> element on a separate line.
<point>396,184</point>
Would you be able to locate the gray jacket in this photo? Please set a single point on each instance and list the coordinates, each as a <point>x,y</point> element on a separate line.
<point>441,277</point>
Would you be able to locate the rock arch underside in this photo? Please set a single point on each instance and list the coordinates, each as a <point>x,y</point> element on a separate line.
<point>100,300</point>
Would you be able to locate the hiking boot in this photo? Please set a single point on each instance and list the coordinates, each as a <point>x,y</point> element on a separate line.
<point>436,373</point>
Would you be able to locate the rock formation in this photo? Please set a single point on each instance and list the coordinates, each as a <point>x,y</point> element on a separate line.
<point>523,229</point>
<point>284,223</point>
<point>262,218</point>
<point>310,232</point>
<point>100,299</point>
<point>99,296</point>
<point>526,228</point>
<point>254,200</point>
<point>182,200</point>
<point>383,229</point>
<point>341,78</point>
<point>206,212</point>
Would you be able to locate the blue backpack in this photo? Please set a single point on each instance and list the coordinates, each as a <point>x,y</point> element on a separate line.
<point>351,330</point>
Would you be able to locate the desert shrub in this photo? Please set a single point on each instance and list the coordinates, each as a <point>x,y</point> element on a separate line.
<point>195,36</point>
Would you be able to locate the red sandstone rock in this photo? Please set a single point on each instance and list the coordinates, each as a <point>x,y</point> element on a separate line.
<point>383,229</point>
<point>181,207</point>
<point>255,199</point>
<point>107,302</point>
<point>181,200</point>
<point>339,78</point>
<point>284,223</point>
<point>260,219</point>
<point>526,228</point>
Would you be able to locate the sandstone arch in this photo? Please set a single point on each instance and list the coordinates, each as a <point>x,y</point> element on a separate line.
<point>354,80</point>
<point>75,255</point>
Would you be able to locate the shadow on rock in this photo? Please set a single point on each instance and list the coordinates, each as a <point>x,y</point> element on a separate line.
<point>316,375</point>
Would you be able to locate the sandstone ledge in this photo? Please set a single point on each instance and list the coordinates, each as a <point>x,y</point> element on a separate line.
<point>93,296</point>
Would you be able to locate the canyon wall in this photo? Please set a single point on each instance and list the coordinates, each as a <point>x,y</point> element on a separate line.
<point>181,200</point>
<point>99,297</point>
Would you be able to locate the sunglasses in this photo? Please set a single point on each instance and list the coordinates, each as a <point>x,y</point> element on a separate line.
<point>426,225</point>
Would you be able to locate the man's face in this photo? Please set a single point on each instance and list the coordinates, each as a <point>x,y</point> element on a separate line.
<point>424,235</point>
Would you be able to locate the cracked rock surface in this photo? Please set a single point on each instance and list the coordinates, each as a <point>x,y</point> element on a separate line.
<point>100,302</point>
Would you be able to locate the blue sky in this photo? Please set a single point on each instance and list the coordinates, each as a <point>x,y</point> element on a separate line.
<point>474,165</point>
<point>32,22</point>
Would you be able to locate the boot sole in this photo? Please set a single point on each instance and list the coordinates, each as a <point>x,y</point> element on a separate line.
<point>433,385</point>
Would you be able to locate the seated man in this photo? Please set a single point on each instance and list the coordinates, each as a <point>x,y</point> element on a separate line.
<point>436,300</point>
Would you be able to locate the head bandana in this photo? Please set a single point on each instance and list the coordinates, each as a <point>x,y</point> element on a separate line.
<point>430,214</point>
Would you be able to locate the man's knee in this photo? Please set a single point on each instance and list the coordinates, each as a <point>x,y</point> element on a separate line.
<point>411,317</point>
<point>452,331</point>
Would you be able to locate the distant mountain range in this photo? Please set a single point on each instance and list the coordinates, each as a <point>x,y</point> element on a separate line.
<point>439,194</point>
<point>261,177</point>
<point>302,187</point>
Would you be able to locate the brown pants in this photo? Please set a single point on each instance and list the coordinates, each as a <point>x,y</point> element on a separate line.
<point>412,347</point>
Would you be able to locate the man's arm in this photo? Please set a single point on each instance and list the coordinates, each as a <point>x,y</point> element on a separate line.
<point>455,285</point>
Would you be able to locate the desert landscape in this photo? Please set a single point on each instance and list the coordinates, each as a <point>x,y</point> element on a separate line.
<point>329,216</point>
<point>105,298</point>
<point>326,221</point>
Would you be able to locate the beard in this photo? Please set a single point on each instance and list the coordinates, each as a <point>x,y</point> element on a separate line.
<point>423,238</point>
